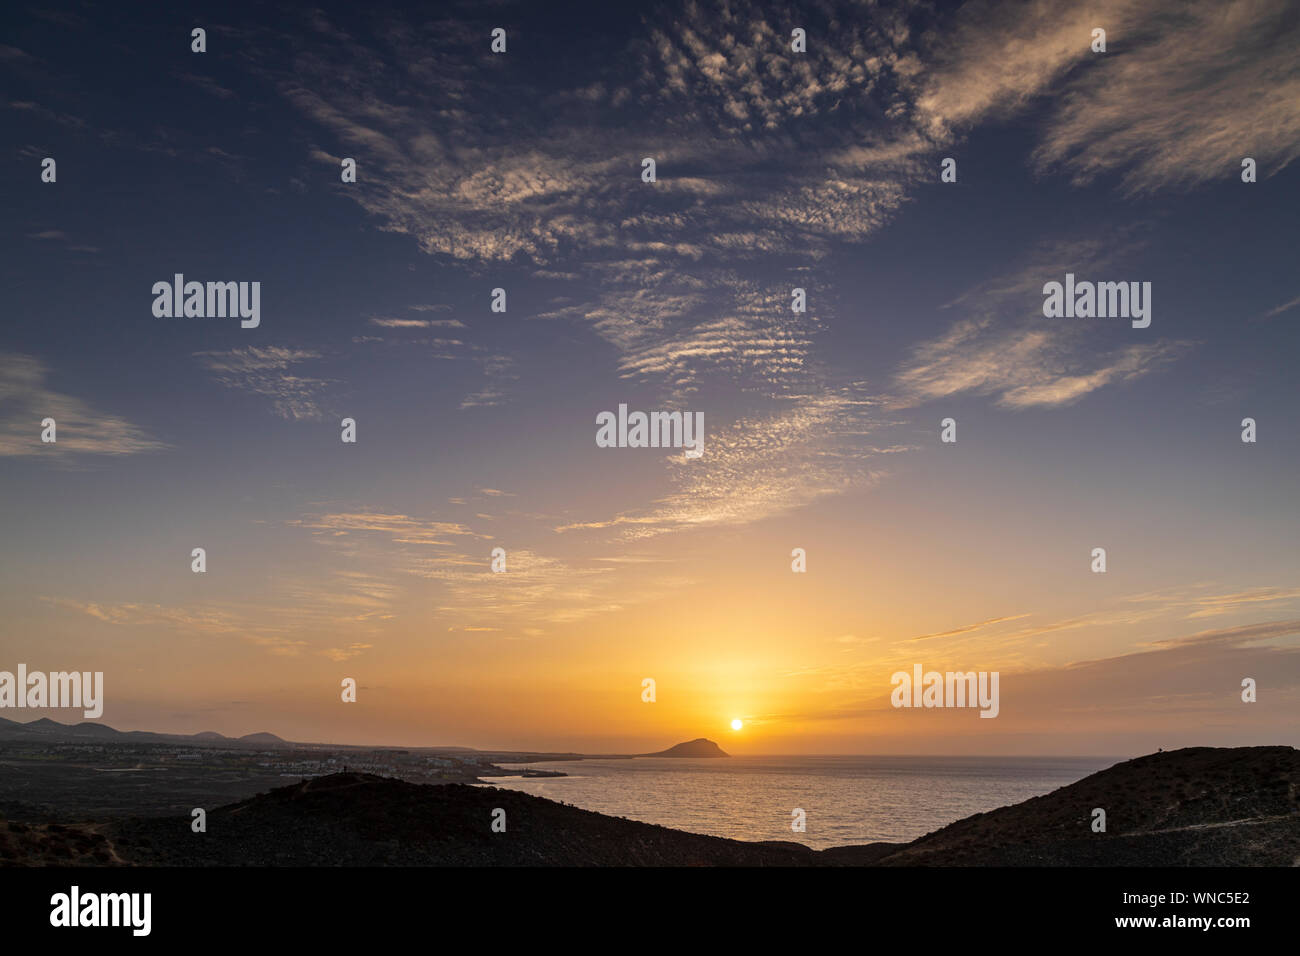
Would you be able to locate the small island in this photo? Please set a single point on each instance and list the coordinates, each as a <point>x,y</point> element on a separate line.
<point>700,747</point>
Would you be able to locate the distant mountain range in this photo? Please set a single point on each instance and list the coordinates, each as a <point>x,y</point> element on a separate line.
<point>1200,806</point>
<point>88,731</point>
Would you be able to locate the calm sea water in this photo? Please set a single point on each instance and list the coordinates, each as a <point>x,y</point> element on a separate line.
<point>848,799</point>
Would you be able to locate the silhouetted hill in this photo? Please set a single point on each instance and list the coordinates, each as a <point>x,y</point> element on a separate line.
<point>357,819</point>
<point>699,747</point>
<point>1201,806</point>
<point>263,740</point>
<point>88,729</point>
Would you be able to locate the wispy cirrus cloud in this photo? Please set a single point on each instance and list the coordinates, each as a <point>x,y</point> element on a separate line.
<point>1284,307</point>
<point>1021,368</point>
<point>340,654</point>
<point>1185,91</point>
<point>26,400</point>
<point>1007,350</point>
<point>760,467</point>
<point>499,371</point>
<point>286,623</point>
<point>1197,604</point>
<point>535,586</point>
<point>134,613</point>
<point>57,235</point>
<point>399,528</point>
<point>390,323</point>
<point>197,619</point>
<point>970,628</point>
<point>538,587</point>
<point>206,84</point>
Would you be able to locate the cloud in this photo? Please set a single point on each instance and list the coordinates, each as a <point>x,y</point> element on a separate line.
<point>499,371</point>
<point>767,163</point>
<point>26,400</point>
<point>1006,349</point>
<point>207,84</point>
<point>55,235</point>
<point>765,158</point>
<point>416,323</point>
<point>468,181</point>
<point>53,116</point>
<point>265,372</point>
<point>344,602</point>
<point>1185,91</point>
<point>1208,84</point>
<point>760,467</point>
<point>731,67</point>
<point>968,628</point>
<point>399,528</point>
<point>340,654</point>
<point>1284,307</point>
<point>1191,681</point>
<point>761,339</point>
<point>540,588</point>
<point>199,619</point>
<point>138,614</point>
<point>1214,605</point>
<point>1021,368</point>
<point>1192,678</point>
<point>1238,635</point>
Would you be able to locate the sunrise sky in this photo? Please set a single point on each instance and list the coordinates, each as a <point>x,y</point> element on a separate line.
<point>477,429</point>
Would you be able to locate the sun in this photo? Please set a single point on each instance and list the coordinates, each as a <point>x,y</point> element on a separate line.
<point>737,724</point>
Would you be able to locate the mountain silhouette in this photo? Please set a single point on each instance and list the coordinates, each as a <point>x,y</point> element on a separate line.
<point>263,740</point>
<point>699,747</point>
<point>1199,806</point>
<point>45,728</point>
<point>360,819</point>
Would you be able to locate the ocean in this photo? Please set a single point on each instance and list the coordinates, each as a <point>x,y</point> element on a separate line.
<point>847,800</point>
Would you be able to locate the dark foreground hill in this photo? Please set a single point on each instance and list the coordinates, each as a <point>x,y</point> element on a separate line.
<point>1196,807</point>
<point>1202,806</point>
<point>364,820</point>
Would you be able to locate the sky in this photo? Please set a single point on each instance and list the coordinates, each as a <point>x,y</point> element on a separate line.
<point>775,170</point>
